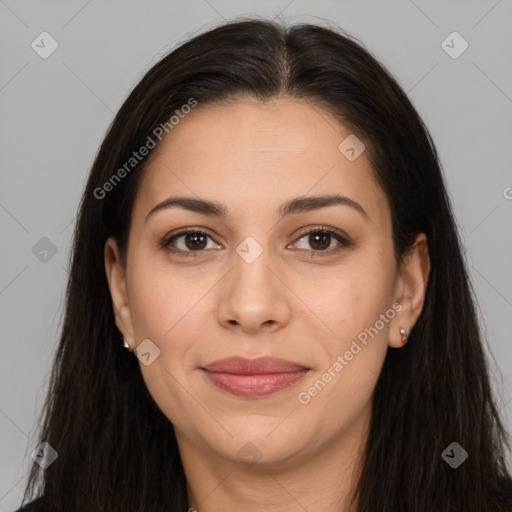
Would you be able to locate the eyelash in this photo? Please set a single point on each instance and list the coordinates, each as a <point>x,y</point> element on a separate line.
<point>344,242</point>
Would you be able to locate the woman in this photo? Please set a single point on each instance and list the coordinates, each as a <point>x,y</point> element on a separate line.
<point>266,228</point>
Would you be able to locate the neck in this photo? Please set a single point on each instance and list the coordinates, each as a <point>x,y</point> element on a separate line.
<point>321,480</point>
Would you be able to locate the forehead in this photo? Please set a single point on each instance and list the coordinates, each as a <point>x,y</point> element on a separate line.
<point>254,155</point>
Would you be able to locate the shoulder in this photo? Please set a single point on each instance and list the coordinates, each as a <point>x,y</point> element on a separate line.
<point>38,505</point>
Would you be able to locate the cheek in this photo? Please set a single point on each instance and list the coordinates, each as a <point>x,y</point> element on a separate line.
<point>357,306</point>
<point>352,361</point>
<point>163,302</point>
<point>352,297</point>
<point>167,308</point>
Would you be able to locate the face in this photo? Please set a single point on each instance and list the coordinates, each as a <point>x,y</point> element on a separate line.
<point>278,274</point>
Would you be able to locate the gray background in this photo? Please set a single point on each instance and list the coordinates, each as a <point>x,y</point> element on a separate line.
<point>55,112</point>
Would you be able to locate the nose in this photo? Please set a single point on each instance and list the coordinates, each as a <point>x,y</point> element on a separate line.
<point>253,297</point>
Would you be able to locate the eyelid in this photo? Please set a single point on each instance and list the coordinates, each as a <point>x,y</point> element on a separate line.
<point>323,229</point>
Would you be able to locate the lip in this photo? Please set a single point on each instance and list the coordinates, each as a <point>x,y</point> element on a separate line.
<point>254,377</point>
<point>243,366</point>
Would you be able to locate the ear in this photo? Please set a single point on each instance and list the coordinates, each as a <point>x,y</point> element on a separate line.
<point>410,289</point>
<point>116,277</point>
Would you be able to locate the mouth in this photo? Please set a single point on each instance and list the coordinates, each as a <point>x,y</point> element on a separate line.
<point>254,378</point>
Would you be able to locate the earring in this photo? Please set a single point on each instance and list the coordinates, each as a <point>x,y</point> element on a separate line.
<point>125,344</point>
<point>404,334</point>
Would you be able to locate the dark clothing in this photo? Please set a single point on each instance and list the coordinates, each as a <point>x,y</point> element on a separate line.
<point>38,505</point>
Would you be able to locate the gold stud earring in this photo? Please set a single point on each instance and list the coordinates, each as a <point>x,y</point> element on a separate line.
<point>125,343</point>
<point>404,334</point>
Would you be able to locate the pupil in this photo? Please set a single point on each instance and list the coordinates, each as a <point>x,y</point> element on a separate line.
<point>194,237</point>
<point>319,236</point>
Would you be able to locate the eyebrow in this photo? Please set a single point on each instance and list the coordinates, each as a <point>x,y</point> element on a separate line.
<point>293,206</point>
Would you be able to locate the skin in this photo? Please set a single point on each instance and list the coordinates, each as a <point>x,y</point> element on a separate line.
<point>253,157</point>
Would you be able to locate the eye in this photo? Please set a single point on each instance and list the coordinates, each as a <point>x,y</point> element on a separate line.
<point>322,240</point>
<point>194,241</point>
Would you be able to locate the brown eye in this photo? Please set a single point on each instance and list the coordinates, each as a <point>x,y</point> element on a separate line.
<point>187,242</point>
<point>194,241</point>
<point>322,240</point>
<point>319,240</point>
